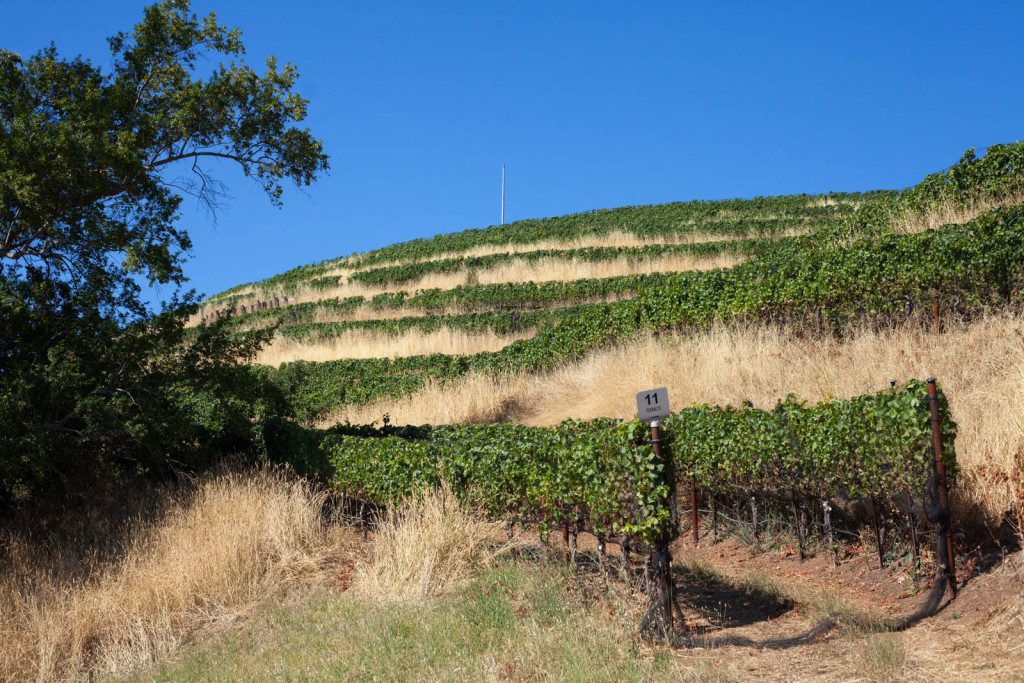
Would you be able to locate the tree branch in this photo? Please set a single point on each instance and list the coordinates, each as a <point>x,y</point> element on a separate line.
<point>203,153</point>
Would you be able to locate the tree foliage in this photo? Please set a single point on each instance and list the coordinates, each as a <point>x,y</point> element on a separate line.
<point>94,165</point>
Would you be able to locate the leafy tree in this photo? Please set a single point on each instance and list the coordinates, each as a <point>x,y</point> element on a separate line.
<point>94,166</point>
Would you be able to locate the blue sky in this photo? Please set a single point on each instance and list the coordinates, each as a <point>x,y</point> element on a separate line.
<point>591,105</point>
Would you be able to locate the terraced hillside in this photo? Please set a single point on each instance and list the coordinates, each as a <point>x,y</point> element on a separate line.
<point>479,291</point>
<point>723,301</point>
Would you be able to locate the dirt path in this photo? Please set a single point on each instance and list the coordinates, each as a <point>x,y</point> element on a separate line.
<point>739,599</point>
<point>737,602</point>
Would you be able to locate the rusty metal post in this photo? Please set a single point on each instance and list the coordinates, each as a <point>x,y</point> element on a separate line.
<point>945,525</point>
<point>714,519</point>
<point>879,534</point>
<point>915,544</point>
<point>656,438</point>
<point>694,512</point>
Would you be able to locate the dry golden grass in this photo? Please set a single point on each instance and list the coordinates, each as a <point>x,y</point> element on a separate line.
<point>363,344</point>
<point>427,547</point>
<point>520,270</point>
<point>947,213</point>
<point>617,238</point>
<point>215,552</point>
<point>981,368</point>
<point>881,657</point>
<point>326,315</point>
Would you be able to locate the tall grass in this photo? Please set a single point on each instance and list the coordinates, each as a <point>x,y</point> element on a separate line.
<point>437,603</point>
<point>881,657</point>
<point>215,551</point>
<point>426,548</point>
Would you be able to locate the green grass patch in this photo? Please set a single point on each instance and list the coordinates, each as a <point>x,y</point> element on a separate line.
<point>514,621</point>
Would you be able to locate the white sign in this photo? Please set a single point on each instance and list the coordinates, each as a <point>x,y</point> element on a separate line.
<point>652,404</point>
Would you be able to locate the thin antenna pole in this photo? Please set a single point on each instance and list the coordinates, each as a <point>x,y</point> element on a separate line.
<point>503,194</point>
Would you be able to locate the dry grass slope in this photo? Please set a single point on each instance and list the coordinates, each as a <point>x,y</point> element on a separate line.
<point>362,344</point>
<point>981,367</point>
<point>946,214</point>
<point>215,553</point>
<point>618,238</point>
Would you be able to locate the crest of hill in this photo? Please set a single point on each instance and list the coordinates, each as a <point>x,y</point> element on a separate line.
<point>632,226</point>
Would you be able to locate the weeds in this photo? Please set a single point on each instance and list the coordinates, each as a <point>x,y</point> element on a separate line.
<point>426,548</point>
<point>881,657</point>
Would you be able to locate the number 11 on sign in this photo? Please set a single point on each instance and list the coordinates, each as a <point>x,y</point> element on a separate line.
<point>652,404</point>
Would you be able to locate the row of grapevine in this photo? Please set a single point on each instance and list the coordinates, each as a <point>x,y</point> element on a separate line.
<point>605,476</point>
<point>996,176</point>
<point>732,217</point>
<point>870,446</point>
<point>498,322</point>
<point>506,296</point>
<point>409,272</point>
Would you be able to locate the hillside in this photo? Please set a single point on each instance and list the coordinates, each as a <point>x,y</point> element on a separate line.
<point>778,325</point>
<point>462,482</point>
<point>510,309</point>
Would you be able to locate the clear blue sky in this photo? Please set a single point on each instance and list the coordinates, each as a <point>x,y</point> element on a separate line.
<point>591,104</point>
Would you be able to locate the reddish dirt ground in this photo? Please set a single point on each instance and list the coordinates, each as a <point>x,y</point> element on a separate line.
<point>736,600</point>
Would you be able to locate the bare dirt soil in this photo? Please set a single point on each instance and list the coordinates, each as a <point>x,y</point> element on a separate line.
<point>742,605</point>
<point>754,598</point>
